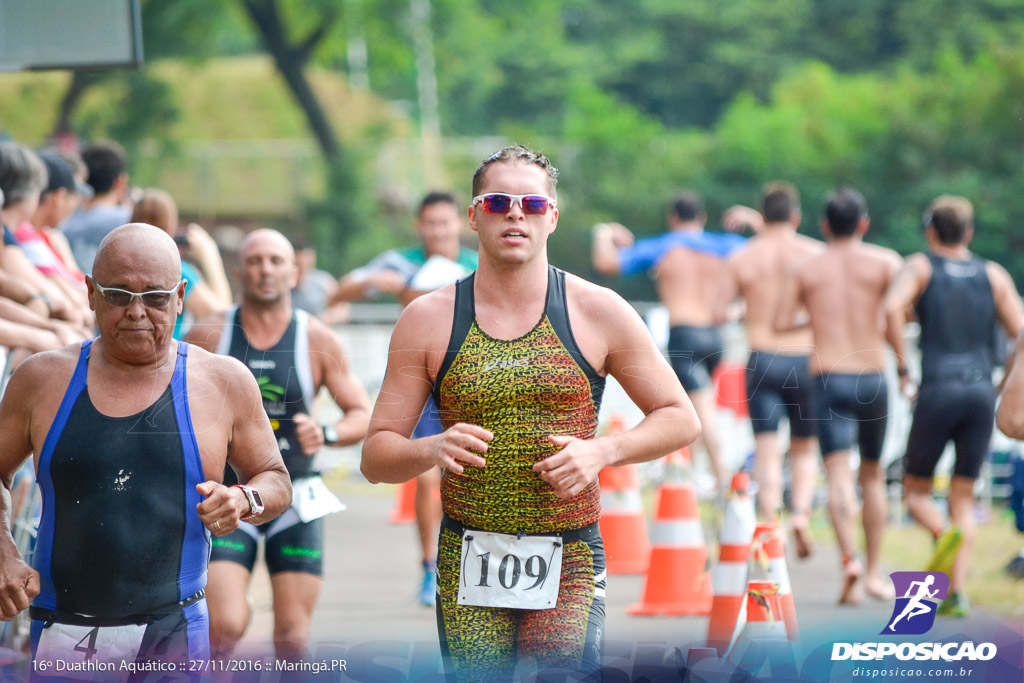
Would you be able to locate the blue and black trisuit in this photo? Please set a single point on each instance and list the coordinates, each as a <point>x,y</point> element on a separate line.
<point>120,541</point>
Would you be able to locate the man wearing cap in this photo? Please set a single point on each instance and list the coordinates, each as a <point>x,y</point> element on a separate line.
<point>22,177</point>
<point>58,200</point>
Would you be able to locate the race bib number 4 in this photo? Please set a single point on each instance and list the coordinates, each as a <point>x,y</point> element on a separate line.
<point>89,645</point>
<point>505,570</point>
<point>312,499</point>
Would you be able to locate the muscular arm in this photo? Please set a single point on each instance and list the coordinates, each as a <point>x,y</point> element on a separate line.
<point>904,292</point>
<point>345,389</point>
<point>631,357</point>
<point>790,301</point>
<point>1007,300</point>
<point>203,302</point>
<point>207,255</point>
<point>389,455</point>
<point>19,583</point>
<point>1010,414</point>
<point>608,238</point>
<point>253,450</point>
<point>384,281</point>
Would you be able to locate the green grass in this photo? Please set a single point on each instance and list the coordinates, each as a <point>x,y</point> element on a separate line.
<point>907,547</point>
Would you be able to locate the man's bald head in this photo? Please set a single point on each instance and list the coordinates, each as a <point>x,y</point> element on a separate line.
<point>266,237</point>
<point>267,269</point>
<point>140,249</point>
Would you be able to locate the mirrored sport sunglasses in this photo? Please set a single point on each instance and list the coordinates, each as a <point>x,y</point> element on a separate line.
<point>154,298</point>
<point>499,202</point>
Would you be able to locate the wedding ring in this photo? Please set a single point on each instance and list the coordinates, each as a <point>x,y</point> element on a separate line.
<point>216,525</point>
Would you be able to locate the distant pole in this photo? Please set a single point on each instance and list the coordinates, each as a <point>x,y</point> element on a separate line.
<point>426,88</point>
<point>358,73</point>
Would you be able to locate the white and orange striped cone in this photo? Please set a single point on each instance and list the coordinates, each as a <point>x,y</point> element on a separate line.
<point>623,524</point>
<point>761,633</point>
<point>676,582</point>
<point>729,575</point>
<point>768,551</point>
<point>405,504</point>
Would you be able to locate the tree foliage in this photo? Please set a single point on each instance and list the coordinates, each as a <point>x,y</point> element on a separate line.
<point>904,99</point>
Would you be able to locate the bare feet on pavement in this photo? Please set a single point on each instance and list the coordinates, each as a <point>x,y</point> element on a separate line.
<point>852,572</point>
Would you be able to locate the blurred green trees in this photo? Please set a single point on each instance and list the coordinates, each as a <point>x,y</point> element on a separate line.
<point>904,99</point>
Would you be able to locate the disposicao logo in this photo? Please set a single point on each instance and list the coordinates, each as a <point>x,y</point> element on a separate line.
<point>918,595</point>
<point>914,613</point>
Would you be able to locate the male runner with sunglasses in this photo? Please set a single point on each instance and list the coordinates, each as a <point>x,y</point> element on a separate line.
<point>516,357</point>
<point>406,274</point>
<point>292,355</point>
<point>130,432</point>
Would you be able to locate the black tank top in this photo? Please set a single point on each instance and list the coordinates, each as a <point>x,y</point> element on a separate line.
<point>286,383</point>
<point>957,312</point>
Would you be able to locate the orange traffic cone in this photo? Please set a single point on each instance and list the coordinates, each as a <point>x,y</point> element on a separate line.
<point>763,634</point>
<point>729,575</point>
<point>731,384</point>
<point>769,552</point>
<point>623,524</point>
<point>676,581</point>
<point>405,504</point>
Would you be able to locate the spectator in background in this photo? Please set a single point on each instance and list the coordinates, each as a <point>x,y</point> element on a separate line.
<point>316,287</point>
<point>25,320</point>
<point>23,177</point>
<point>406,274</point>
<point>208,290</point>
<point>58,200</point>
<point>105,210</point>
<point>54,235</point>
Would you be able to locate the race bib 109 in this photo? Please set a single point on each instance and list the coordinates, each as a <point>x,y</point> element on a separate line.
<point>506,570</point>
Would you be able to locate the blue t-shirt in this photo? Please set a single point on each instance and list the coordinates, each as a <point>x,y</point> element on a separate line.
<point>188,272</point>
<point>9,239</point>
<point>647,252</point>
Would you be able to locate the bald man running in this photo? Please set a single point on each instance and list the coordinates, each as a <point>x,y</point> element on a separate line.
<point>777,379</point>
<point>292,355</point>
<point>131,433</point>
<point>843,290</point>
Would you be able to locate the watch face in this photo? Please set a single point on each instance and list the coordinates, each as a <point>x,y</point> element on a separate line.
<point>330,435</point>
<point>256,498</point>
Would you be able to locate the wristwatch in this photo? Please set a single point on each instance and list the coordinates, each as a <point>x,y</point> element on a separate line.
<point>330,435</point>
<point>256,506</point>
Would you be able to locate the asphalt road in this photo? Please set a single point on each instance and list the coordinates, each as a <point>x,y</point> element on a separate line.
<point>368,614</point>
